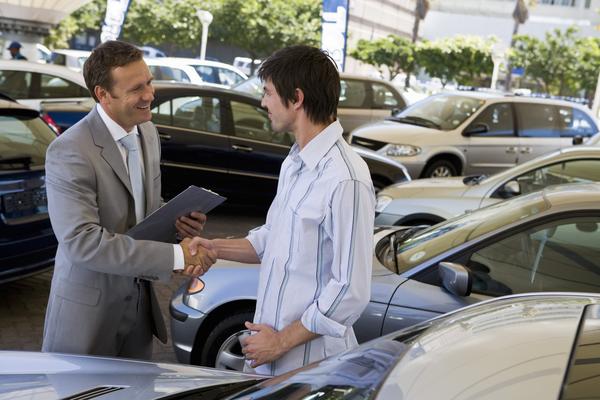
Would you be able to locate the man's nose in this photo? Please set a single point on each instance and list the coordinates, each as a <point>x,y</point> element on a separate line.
<point>149,93</point>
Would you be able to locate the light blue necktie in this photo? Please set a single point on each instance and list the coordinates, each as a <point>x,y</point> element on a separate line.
<point>135,174</point>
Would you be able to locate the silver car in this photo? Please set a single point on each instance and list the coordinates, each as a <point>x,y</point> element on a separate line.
<point>468,133</point>
<point>542,346</point>
<point>545,241</point>
<point>429,201</point>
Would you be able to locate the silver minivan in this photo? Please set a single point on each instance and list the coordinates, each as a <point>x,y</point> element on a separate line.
<point>466,133</point>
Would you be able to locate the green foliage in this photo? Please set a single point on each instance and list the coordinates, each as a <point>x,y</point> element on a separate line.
<point>87,17</point>
<point>464,59</point>
<point>395,53</point>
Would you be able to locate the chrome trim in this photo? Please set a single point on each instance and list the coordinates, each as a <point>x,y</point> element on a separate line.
<point>186,166</point>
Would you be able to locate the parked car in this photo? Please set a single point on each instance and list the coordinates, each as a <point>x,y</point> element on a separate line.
<point>222,140</point>
<point>152,52</point>
<point>496,350</point>
<point>362,99</point>
<point>594,140</point>
<point>468,133</point>
<point>544,241</point>
<point>429,201</point>
<point>27,243</point>
<point>73,59</point>
<point>199,72</point>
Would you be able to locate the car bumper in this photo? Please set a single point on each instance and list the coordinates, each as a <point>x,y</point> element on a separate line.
<point>27,256</point>
<point>185,323</point>
<point>414,166</point>
<point>385,219</point>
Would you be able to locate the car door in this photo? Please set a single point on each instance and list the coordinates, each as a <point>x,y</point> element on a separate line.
<point>18,84</point>
<point>539,130</point>
<point>385,100</point>
<point>194,147</point>
<point>490,141</point>
<point>257,152</point>
<point>354,107</point>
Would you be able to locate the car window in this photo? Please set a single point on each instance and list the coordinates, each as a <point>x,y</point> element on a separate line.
<point>383,97</point>
<point>161,114</point>
<point>173,74</point>
<point>16,84</point>
<point>23,137</point>
<point>197,113</point>
<point>253,123</point>
<point>574,171</point>
<point>574,122</point>
<point>497,119</point>
<point>563,255</point>
<point>537,120</point>
<point>54,87</point>
<point>228,77</point>
<point>353,94</point>
<point>207,74</point>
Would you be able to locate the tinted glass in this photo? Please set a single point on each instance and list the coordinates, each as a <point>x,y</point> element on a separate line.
<point>161,114</point>
<point>198,113</point>
<point>23,137</point>
<point>15,84</point>
<point>253,123</point>
<point>383,97</point>
<point>574,122</point>
<point>538,120</point>
<point>353,94</point>
<point>208,74</point>
<point>444,111</point>
<point>497,118</point>
<point>559,256</point>
<point>53,87</point>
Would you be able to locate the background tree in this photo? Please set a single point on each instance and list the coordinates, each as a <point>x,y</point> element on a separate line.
<point>464,59</point>
<point>394,53</point>
<point>520,16</point>
<point>421,9</point>
<point>88,17</point>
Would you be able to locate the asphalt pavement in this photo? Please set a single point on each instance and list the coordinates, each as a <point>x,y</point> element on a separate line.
<point>23,302</point>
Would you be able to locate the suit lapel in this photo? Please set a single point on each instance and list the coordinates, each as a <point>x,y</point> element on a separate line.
<point>148,140</point>
<point>109,150</point>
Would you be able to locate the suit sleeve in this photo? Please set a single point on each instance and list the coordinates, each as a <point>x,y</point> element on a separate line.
<point>74,214</point>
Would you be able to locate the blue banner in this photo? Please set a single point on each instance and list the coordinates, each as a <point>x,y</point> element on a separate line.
<point>116,10</point>
<point>335,29</point>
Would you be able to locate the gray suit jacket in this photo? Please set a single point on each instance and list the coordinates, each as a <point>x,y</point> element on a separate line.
<point>90,202</point>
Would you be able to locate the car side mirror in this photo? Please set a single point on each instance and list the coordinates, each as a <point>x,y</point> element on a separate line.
<point>476,128</point>
<point>456,278</point>
<point>577,140</point>
<point>511,189</point>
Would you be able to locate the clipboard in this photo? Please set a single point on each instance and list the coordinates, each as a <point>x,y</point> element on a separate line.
<point>160,225</point>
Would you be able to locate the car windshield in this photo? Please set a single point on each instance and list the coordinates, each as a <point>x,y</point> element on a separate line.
<point>23,141</point>
<point>444,112</point>
<point>422,245</point>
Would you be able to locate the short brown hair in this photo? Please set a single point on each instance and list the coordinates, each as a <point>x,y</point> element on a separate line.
<point>112,54</point>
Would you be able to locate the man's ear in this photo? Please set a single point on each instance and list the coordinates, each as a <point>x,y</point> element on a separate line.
<point>101,94</point>
<point>299,94</point>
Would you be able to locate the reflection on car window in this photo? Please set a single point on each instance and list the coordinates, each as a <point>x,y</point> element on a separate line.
<point>161,114</point>
<point>197,113</point>
<point>574,122</point>
<point>431,242</point>
<point>227,77</point>
<point>497,119</point>
<point>15,84</point>
<point>537,120</point>
<point>383,97</point>
<point>353,93</point>
<point>53,87</point>
<point>253,123</point>
<point>24,137</point>
<point>574,171</point>
<point>445,111</point>
<point>208,74</point>
<point>560,256</point>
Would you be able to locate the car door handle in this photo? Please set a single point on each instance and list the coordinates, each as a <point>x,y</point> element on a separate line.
<point>511,150</point>
<point>525,150</point>
<point>164,136</point>
<point>245,149</point>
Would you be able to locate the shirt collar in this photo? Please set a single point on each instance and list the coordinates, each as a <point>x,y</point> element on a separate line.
<point>316,149</point>
<point>116,131</point>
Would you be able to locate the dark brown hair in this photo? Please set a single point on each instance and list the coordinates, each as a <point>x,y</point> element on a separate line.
<point>309,69</point>
<point>97,70</point>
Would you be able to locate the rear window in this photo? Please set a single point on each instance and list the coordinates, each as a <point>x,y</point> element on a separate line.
<point>23,140</point>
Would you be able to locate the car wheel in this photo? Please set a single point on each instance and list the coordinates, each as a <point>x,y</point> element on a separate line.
<point>222,348</point>
<point>440,169</point>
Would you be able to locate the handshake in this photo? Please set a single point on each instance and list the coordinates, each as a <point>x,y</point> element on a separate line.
<point>200,255</point>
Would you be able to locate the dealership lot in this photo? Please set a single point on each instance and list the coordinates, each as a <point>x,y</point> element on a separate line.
<point>23,302</point>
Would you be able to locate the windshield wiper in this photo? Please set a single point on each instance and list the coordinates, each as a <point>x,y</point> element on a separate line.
<point>11,162</point>
<point>413,120</point>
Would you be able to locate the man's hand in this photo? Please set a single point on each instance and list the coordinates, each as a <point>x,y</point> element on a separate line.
<point>263,347</point>
<point>198,262</point>
<point>191,225</point>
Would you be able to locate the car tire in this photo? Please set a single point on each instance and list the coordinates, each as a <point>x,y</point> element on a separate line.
<point>221,348</point>
<point>440,169</point>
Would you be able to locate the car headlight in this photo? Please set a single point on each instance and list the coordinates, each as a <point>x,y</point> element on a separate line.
<point>382,203</point>
<point>400,150</point>
<point>195,285</point>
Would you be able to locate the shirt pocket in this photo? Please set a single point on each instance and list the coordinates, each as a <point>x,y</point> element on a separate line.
<point>307,218</point>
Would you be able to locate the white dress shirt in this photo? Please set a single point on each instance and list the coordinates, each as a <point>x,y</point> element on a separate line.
<point>316,248</point>
<point>117,132</point>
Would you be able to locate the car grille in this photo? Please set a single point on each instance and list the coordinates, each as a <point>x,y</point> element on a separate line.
<point>21,199</point>
<point>368,143</point>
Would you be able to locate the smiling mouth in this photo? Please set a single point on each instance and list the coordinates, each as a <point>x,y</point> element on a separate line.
<point>143,108</point>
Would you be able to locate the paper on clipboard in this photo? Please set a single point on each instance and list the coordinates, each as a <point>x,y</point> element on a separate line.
<point>160,225</point>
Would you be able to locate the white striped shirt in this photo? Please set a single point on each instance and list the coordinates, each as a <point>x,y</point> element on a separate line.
<point>316,248</point>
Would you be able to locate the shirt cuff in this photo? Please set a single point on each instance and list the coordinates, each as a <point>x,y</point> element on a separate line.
<point>178,258</point>
<point>316,322</point>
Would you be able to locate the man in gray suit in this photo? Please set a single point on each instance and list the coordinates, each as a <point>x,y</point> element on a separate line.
<point>102,177</point>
